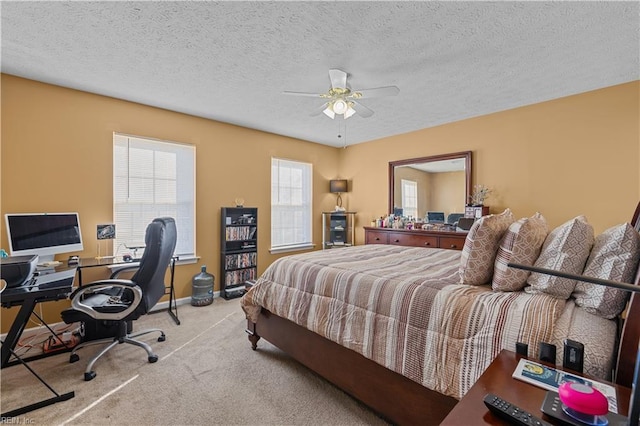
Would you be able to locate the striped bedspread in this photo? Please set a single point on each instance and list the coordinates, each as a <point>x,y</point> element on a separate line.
<point>403,308</point>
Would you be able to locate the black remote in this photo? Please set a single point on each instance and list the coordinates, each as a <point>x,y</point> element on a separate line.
<point>511,413</point>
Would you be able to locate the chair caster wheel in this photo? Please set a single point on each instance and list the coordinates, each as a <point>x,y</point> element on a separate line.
<point>162,338</point>
<point>89,376</point>
<point>73,358</point>
<point>153,358</point>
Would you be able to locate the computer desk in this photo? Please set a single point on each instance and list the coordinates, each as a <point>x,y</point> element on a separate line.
<point>27,296</point>
<point>117,264</point>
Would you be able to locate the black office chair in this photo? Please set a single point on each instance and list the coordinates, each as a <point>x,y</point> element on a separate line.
<point>115,303</point>
<point>435,217</point>
<point>452,218</point>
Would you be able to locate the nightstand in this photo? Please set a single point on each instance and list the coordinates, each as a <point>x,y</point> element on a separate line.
<point>497,380</point>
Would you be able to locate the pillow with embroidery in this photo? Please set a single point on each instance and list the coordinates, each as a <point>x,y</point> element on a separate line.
<point>565,249</point>
<point>614,256</point>
<point>480,247</point>
<point>520,244</point>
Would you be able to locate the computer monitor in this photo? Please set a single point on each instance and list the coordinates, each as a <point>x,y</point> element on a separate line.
<point>44,234</point>
<point>435,217</point>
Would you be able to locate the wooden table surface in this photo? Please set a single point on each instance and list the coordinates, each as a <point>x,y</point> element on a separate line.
<point>497,380</point>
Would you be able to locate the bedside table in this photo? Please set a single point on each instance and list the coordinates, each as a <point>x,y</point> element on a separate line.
<point>497,380</point>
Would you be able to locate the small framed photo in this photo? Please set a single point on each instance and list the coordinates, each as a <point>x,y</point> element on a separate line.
<point>106,231</point>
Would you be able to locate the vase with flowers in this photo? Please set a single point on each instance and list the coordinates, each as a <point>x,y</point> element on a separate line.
<point>480,193</point>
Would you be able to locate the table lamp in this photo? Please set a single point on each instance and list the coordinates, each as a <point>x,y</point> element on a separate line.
<point>634,403</point>
<point>338,186</point>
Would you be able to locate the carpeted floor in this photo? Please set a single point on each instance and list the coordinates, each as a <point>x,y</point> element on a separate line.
<point>206,374</point>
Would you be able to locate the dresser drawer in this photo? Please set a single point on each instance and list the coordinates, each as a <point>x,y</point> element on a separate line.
<point>376,237</point>
<point>412,240</point>
<point>453,243</point>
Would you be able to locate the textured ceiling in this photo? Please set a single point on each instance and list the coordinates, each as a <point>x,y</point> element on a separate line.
<point>231,61</point>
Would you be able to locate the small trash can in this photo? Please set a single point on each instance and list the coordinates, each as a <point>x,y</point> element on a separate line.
<point>202,288</point>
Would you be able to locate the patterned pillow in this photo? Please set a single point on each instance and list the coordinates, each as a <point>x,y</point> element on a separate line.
<point>565,249</point>
<point>614,256</point>
<point>520,244</point>
<point>480,247</point>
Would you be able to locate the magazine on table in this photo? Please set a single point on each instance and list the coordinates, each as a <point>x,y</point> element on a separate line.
<point>550,379</point>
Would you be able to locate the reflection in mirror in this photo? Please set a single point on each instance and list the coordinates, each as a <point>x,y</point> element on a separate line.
<point>435,187</point>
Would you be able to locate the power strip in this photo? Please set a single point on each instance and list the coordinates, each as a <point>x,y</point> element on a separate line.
<point>60,342</point>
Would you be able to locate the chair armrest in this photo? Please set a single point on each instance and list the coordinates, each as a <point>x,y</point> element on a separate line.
<point>123,269</point>
<point>78,295</point>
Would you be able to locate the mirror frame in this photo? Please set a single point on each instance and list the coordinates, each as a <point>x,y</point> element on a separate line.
<point>466,155</point>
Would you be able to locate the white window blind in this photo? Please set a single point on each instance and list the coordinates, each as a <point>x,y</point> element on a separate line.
<point>409,198</point>
<point>152,179</point>
<point>291,214</point>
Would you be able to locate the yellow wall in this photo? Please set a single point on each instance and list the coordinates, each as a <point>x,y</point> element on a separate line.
<point>57,156</point>
<point>575,155</point>
<point>570,156</point>
<point>446,188</point>
<point>441,191</point>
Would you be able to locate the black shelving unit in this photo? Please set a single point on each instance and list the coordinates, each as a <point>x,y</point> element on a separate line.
<point>238,249</point>
<point>338,229</point>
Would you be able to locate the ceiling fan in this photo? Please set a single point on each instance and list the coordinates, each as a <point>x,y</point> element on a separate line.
<point>341,100</point>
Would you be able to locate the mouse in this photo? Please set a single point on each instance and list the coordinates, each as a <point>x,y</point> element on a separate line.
<point>127,258</point>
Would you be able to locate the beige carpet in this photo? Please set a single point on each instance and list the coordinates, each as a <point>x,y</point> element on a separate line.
<point>206,374</point>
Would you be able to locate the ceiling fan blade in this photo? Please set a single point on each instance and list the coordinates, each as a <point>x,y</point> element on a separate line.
<point>319,110</point>
<point>379,92</point>
<point>315,95</point>
<point>362,110</point>
<point>338,79</point>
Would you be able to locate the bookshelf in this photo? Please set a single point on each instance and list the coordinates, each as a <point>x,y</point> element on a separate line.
<point>238,249</point>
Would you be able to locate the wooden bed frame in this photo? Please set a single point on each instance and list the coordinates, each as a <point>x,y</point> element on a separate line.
<point>393,396</point>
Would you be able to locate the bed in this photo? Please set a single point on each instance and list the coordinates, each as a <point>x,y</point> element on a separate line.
<point>393,326</point>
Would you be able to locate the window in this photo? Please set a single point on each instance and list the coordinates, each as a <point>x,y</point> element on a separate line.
<point>291,224</point>
<point>152,179</point>
<point>409,198</point>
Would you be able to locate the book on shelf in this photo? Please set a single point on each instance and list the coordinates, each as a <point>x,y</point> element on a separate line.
<point>550,379</point>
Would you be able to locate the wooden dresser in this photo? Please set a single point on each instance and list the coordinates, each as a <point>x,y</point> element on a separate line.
<point>415,237</point>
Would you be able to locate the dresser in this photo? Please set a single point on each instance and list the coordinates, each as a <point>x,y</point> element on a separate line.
<point>415,238</point>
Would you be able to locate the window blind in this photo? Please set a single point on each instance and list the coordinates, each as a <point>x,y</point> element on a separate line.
<point>152,179</point>
<point>291,213</point>
<point>409,198</point>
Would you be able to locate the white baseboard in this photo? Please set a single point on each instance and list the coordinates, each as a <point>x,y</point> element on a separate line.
<point>183,301</point>
<point>58,326</point>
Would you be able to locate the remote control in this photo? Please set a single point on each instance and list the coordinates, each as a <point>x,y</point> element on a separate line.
<point>511,413</point>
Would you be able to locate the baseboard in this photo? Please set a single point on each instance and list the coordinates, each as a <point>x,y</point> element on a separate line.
<point>58,327</point>
<point>182,301</point>
<point>165,305</point>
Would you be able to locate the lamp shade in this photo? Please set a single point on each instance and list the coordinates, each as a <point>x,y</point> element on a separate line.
<point>338,185</point>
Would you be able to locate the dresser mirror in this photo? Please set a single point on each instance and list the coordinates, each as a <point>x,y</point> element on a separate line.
<point>435,186</point>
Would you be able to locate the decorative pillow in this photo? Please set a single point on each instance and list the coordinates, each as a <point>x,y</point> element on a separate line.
<point>480,247</point>
<point>520,244</point>
<point>614,256</point>
<point>565,249</point>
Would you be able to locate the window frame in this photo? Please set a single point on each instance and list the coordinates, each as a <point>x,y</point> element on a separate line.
<point>408,183</point>
<point>306,204</point>
<point>183,192</point>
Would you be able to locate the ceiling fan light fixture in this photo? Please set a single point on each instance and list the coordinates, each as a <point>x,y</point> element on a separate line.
<point>340,106</point>
<point>349,112</point>
<point>329,112</point>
